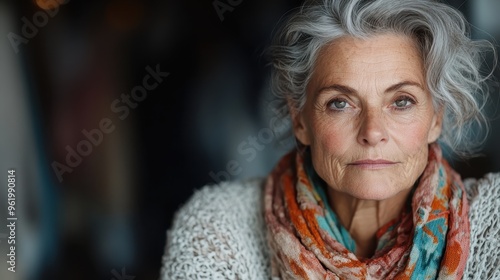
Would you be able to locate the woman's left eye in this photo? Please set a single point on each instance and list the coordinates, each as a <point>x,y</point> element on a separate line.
<point>403,103</point>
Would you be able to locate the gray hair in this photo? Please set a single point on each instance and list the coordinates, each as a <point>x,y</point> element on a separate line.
<point>452,60</point>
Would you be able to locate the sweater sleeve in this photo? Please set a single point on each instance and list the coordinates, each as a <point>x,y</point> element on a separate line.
<point>218,234</point>
<point>484,216</point>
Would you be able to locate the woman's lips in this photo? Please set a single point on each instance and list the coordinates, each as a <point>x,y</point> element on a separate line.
<point>373,164</point>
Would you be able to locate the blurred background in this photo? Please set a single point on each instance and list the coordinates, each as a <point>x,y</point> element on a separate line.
<point>113,112</point>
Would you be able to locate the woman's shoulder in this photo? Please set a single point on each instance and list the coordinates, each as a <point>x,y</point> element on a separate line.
<point>484,215</point>
<point>225,194</point>
<point>226,200</point>
<point>218,233</point>
<point>487,187</point>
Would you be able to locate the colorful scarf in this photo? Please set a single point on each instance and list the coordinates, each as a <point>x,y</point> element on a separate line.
<point>307,241</point>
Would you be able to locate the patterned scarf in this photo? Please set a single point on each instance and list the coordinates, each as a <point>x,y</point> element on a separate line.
<point>307,241</point>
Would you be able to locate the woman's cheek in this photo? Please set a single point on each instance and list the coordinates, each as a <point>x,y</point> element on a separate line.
<point>331,130</point>
<point>413,133</point>
<point>330,139</point>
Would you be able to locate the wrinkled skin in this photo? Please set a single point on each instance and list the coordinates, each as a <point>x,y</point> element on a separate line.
<point>368,119</point>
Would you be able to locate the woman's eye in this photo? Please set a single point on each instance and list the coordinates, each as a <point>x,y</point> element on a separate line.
<point>338,104</point>
<point>403,103</point>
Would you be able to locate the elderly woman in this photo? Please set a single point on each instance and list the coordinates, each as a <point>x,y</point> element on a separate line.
<point>370,87</point>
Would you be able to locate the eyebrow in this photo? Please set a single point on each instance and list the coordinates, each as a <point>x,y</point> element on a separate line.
<point>350,90</point>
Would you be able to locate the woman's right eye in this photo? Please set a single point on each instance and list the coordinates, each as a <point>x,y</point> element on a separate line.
<point>338,104</point>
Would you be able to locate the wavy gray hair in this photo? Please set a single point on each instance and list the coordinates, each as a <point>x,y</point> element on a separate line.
<point>452,60</point>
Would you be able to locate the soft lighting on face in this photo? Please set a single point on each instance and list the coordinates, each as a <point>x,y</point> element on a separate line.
<point>368,118</point>
<point>49,4</point>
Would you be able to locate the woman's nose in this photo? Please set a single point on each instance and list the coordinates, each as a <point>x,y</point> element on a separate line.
<point>372,129</point>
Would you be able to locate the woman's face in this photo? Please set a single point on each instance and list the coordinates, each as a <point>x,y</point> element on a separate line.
<point>369,117</point>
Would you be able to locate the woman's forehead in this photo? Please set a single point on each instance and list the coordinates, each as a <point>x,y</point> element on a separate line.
<point>376,49</point>
<point>362,60</point>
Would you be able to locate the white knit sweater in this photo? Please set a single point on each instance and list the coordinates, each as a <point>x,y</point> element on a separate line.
<point>220,233</point>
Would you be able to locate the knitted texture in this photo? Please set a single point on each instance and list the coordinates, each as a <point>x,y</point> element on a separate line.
<point>484,215</point>
<point>220,233</point>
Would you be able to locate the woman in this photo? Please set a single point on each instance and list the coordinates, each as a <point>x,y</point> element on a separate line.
<point>370,87</point>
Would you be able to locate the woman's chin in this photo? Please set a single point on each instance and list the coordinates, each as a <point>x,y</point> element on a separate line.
<point>371,194</point>
<point>372,191</point>
<point>380,185</point>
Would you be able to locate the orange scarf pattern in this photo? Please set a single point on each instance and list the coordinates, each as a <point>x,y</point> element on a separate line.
<point>429,242</point>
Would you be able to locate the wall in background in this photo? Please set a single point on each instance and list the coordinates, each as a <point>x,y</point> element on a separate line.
<point>114,112</point>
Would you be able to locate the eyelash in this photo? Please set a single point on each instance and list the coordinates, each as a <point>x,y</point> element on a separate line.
<point>330,107</point>
<point>405,98</point>
<point>412,101</point>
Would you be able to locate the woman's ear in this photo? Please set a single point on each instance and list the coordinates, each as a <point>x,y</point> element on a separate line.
<point>436,126</point>
<point>299,126</point>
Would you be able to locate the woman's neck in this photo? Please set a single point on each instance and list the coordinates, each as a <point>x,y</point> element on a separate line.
<point>363,218</point>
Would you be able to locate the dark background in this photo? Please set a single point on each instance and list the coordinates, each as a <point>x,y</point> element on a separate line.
<point>109,215</point>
